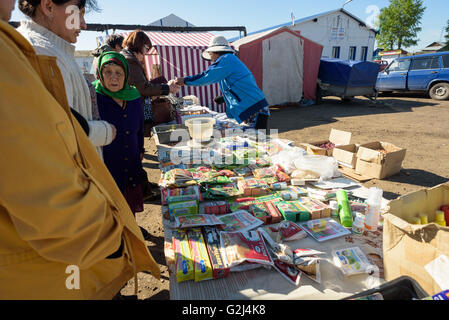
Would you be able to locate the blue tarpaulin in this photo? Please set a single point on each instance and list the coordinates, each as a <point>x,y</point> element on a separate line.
<point>348,73</point>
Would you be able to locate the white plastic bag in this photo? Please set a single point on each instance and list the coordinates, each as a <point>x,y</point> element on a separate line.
<point>327,167</point>
<point>287,157</point>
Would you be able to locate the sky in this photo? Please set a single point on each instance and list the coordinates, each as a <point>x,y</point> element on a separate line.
<point>252,14</point>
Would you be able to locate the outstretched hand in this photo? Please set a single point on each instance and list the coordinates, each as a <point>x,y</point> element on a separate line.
<point>174,88</point>
<point>180,81</point>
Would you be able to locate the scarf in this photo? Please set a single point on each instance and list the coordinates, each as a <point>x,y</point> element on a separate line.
<point>128,93</point>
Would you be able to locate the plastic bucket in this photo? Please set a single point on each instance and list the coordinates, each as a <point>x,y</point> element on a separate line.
<point>201,129</point>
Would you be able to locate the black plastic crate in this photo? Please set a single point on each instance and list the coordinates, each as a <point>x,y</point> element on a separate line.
<point>171,133</point>
<point>402,288</point>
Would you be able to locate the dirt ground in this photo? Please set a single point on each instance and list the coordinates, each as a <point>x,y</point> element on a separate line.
<point>414,122</point>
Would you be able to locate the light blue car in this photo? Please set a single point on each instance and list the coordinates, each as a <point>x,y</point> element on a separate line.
<point>422,73</point>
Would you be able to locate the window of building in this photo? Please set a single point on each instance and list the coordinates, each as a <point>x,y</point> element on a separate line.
<point>352,53</point>
<point>336,52</point>
<point>364,54</point>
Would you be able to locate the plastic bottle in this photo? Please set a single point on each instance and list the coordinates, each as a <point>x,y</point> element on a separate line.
<point>416,220</point>
<point>439,218</point>
<point>424,218</point>
<point>334,207</point>
<point>344,208</point>
<point>358,225</point>
<point>374,202</point>
<point>445,209</point>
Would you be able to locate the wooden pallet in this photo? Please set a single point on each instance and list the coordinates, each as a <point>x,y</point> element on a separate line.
<point>350,173</point>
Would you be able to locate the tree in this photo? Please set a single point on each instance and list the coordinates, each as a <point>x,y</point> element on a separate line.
<point>447,34</point>
<point>400,24</point>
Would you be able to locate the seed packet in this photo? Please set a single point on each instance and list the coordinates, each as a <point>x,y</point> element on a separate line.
<point>308,261</point>
<point>288,272</point>
<point>183,257</point>
<point>281,175</point>
<point>221,191</point>
<point>292,211</point>
<point>352,261</point>
<point>215,207</point>
<point>201,262</point>
<point>243,171</point>
<point>253,187</point>
<point>186,197</point>
<point>220,266</point>
<point>265,172</point>
<point>227,173</point>
<point>178,178</point>
<point>182,209</point>
<point>245,246</point>
<point>239,221</point>
<point>286,231</point>
<point>260,211</point>
<point>165,193</point>
<point>197,220</point>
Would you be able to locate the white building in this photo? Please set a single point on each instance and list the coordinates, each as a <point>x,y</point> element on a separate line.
<point>85,60</point>
<point>342,34</point>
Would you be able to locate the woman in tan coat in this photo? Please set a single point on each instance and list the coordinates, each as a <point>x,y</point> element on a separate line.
<point>66,230</point>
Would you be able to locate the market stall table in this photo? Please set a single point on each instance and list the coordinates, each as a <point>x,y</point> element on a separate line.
<point>265,282</point>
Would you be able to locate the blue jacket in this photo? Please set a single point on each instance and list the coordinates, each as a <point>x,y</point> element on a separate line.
<point>239,88</point>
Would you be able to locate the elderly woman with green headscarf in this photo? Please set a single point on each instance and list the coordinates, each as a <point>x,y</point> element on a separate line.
<point>120,104</point>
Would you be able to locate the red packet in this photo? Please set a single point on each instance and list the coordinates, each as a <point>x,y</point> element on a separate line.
<point>289,272</point>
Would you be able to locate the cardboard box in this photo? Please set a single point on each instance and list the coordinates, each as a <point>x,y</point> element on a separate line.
<point>337,137</point>
<point>418,251</point>
<point>346,154</point>
<point>376,164</point>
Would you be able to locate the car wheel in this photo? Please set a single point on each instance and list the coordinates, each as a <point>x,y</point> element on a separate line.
<point>439,91</point>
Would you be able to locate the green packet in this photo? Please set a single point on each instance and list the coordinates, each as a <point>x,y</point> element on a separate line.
<point>235,206</point>
<point>293,211</point>
<point>221,191</point>
<point>217,180</point>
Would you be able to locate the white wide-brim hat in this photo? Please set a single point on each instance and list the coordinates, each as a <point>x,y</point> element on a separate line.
<point>217,44</point>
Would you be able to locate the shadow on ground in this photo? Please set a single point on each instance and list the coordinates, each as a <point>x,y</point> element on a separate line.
<point>296,117</point>
<point>418,177</point>
<point>162,295</point>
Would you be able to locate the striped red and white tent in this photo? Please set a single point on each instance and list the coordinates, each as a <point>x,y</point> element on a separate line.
<point>179,55</point>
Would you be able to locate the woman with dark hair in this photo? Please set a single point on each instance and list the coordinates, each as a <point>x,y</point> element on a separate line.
<point>115,41</point>
<point>136,45</point>
<point>52,30</point>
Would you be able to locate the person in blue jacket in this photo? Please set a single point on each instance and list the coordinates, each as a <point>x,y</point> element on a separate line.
<point>245,102</point>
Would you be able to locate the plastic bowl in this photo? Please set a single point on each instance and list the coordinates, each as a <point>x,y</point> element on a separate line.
<point>200,129</point>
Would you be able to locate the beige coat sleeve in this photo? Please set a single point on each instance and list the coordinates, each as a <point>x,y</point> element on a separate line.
<point>53,205</point>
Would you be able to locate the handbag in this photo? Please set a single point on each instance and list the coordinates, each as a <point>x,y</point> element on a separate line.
<point>162,110</point>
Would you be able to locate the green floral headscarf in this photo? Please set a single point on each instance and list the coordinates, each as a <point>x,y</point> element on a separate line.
<point>128,92</point>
